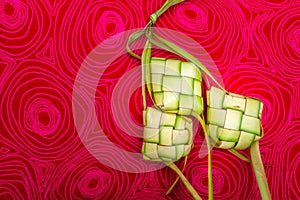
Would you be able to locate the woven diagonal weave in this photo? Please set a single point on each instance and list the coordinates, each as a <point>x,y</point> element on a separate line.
<point>176,86</point>
<point>167,136</point>
<point>234,121</point>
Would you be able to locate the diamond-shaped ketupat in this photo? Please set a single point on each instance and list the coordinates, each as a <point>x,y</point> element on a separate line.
<point>234,121</point>
<point>176,86</point>
<point>170,140</point>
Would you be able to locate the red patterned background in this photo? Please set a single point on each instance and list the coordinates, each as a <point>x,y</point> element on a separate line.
<point>254,44</point>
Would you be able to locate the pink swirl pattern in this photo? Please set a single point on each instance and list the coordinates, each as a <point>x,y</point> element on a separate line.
<point>254,44</point>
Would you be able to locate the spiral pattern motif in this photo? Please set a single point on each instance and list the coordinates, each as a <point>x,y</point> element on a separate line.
<point>254,44</point>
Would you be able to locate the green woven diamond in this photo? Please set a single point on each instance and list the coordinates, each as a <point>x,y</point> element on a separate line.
<point>234,121</point>
<point>176,86</point>
<point>167,136</point>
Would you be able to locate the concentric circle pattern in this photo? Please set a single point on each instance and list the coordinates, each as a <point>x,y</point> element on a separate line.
<point>254,44</point>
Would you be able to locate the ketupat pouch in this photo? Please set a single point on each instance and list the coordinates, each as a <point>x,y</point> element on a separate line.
<point>176,86</point>
<point>234,121</point>
<point>167,136</point>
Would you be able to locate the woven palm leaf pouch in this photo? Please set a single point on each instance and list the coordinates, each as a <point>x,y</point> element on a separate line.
<point>234,121</point>
<point>176,86</point>
<point>231,121</point>
<point>167,136</point>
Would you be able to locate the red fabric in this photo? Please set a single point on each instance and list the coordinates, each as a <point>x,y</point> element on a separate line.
<point>254,44</point>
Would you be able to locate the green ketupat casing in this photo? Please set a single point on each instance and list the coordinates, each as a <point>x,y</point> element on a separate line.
<point>176,86</point>
<point>234,121</point>
<point>167,136</point>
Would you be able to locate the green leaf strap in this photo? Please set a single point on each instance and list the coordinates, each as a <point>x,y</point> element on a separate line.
<point>163,9</point>
<point>185,182</point>
<point>146,58</point>
<point>259,171</point>
<point>132,38</point>
<point>171,47</point>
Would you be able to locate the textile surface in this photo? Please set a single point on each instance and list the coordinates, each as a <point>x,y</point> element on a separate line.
<point>254,44</point>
